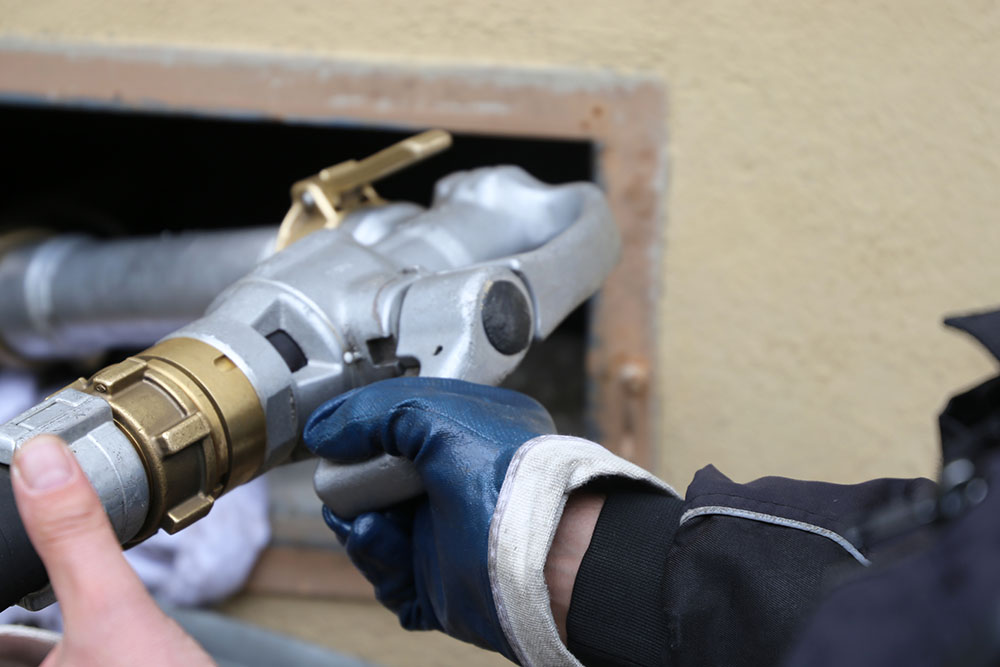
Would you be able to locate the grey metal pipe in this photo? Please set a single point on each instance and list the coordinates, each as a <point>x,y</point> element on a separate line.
<point>73,296</point>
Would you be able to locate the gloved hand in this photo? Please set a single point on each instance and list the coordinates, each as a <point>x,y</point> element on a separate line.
<point>428,559</point>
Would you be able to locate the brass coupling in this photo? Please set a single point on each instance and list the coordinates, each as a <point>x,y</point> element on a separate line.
<point>195,421</point>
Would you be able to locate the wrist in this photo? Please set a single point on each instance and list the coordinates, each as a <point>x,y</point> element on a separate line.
<point>570,543</point>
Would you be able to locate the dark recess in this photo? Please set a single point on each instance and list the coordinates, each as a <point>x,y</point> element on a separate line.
<point>112,173</point>
<point>289,350</point>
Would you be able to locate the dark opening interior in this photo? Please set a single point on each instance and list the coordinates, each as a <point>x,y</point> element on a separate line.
<point>112,173</point>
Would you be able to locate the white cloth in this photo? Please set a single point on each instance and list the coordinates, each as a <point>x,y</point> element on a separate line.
<point>204,563</point>
<point>211,559</point>
<point>542,474</point>
<point>18,392</point>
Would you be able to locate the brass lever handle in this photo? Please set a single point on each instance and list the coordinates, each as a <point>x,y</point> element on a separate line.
<point>323,200</point>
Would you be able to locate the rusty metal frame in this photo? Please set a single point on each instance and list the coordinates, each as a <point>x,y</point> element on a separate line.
<point>622,115</point>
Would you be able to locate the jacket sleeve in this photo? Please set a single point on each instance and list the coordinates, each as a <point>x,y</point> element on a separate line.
<point>723,576</point>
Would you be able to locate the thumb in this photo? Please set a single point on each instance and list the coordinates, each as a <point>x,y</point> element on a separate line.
<point>70,531</point>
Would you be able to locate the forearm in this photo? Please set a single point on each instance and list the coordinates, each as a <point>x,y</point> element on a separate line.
<point>543,473</point>
<point>568,548</point>
<point>640,577</point>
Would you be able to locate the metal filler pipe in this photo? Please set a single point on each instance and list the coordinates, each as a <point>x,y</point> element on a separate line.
<point>67,297</point>
<point>361,290</point>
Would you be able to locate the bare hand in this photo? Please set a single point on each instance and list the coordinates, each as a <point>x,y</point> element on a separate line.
<point>109,617</point>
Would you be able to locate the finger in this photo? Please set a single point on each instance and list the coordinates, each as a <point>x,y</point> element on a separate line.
<point>360,424</point>
<point>348,428</point>
<point>322,433</point>
<point>70,531</point>
<point>381,548</point>
<point>400,416</point>
<point>340,527</point>
<point>401,514</point>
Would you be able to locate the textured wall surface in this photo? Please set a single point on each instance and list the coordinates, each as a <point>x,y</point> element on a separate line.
<point>834,188</point>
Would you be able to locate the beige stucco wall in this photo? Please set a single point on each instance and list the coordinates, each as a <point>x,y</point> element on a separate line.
<point>834,187</point>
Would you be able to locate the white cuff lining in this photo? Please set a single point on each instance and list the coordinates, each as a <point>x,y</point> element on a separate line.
<point>543,472</point>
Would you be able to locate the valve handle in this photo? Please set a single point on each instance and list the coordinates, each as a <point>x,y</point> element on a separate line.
<point>325,199</point>
<point>351,490</point>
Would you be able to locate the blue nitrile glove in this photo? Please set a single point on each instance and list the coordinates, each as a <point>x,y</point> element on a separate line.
<point>428,558</point>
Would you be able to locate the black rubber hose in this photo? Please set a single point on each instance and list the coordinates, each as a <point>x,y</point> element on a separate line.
<point>21,570</point>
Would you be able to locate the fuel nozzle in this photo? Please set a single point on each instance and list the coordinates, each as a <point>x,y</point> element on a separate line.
<point>360,290</point>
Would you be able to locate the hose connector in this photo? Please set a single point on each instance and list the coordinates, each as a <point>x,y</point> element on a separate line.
<point>195,421</point>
